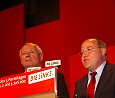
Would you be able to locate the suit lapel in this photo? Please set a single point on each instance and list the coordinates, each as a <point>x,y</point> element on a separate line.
<point>104,77</point>
<point>84,86</point>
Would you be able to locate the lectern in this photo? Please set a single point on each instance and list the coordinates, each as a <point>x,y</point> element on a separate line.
<point>36,84</point>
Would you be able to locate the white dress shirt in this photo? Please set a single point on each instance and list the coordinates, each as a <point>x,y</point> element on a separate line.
<point>98,75</point>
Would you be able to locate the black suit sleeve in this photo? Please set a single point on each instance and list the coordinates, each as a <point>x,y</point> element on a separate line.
<point>61,86</point>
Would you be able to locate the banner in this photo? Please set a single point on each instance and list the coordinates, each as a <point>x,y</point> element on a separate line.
<point>28,83</point>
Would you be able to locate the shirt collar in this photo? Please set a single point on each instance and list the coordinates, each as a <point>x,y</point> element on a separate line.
<point>99,69</point>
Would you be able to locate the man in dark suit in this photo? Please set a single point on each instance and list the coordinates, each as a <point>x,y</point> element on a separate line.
<point>93,56</point>
<point>61,86</point>
<point>31,56</point>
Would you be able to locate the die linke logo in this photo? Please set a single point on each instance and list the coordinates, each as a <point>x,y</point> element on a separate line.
<point>52,63</point>
<point>41,76</point>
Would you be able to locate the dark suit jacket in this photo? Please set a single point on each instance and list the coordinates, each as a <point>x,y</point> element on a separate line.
<point>105,87</point>
<point>61,86</point>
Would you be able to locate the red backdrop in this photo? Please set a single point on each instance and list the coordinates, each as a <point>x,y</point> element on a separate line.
<point>11,40</point>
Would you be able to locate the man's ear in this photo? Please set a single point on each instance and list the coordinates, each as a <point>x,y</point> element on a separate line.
<point>103,51</point>
<point>41,56</point>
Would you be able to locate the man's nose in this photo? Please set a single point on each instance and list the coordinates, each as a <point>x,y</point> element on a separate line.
<point>27,54</point>
<point>85,53</point>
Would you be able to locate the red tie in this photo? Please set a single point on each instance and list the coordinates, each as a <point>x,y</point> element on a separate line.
<point>91,86</point>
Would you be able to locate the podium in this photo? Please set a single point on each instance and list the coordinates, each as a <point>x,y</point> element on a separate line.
<point>36,84</point>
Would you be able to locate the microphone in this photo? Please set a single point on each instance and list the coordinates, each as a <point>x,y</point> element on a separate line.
<point>55,63</point>
<point>32,69</point>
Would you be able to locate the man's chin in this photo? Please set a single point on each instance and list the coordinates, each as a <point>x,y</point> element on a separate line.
<point>87,66</point>
<point>29,65</point>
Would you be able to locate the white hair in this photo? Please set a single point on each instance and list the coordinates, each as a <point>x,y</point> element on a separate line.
<point>36,46</point>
